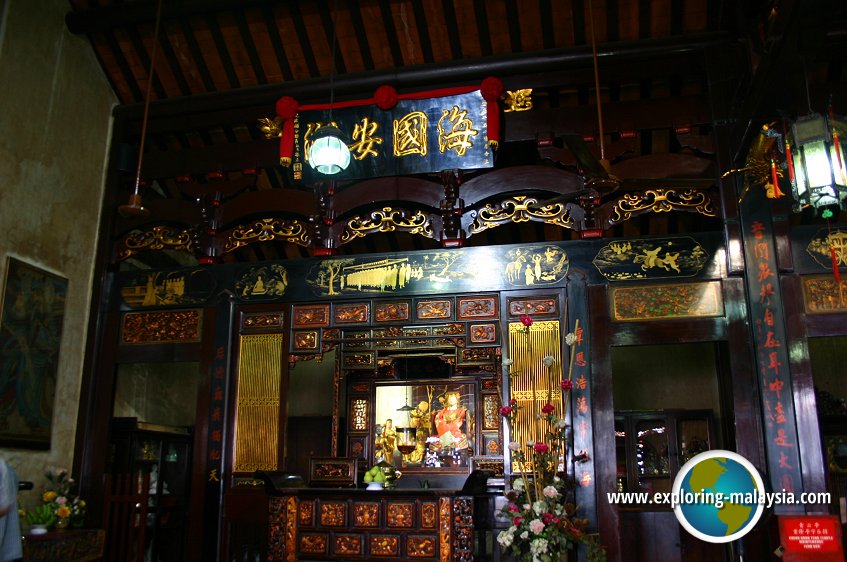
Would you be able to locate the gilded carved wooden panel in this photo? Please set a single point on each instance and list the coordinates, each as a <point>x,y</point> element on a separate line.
<point>168,326</point>
<point>823,295</point>
<point>365,514</point>
<point>429,515</point>
<point>421,546</point>
<point>348,545</point>
<point>392,311</point>
<point>359,414</point>
<point>384,545</point>
<point>306,511</point>
<point>681,300</point>
<point>310,316</point>
<point>333,514</point>
<point>400,514</point>
<point>313,543</point>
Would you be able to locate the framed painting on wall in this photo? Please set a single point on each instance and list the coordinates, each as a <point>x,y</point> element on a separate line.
<point>33,309</point>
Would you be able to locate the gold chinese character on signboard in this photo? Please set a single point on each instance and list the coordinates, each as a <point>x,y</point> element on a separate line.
<point>410,134</point>
<point>519,100</point>
<point>364,135</point>
<point>455,131</point>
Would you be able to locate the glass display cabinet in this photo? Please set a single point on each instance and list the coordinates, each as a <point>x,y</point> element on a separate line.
<point>651,446</point>
<point>163,452</point>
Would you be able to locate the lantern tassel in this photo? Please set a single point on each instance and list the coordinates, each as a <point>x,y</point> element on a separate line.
<point>776,192</point>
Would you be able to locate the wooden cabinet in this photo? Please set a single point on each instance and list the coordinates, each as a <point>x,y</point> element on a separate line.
<point>163,453</point>
<point>651,446</point>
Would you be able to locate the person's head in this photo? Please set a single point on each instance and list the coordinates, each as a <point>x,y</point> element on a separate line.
<point>388,422</point>
<point>452,399</point>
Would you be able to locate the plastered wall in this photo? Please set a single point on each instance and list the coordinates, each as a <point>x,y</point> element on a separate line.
<point>55,119</point>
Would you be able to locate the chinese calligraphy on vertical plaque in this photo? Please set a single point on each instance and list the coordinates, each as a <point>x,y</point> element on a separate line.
<point>766,313</point>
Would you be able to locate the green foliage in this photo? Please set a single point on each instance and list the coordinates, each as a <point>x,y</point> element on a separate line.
<point>41,515</point>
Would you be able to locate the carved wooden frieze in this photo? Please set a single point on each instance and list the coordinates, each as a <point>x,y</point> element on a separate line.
<point>384,545</point>
<point>261,321</point>
<point>157,238</point>
<point>475,308</point>
<point>304,340</point>
<point>483,333</point>
<point>445,529</point>
<point>351,313</point>
<point>491,417</point>
<point>167,326</point>
<point>359,414</point>
<point>667,301</point>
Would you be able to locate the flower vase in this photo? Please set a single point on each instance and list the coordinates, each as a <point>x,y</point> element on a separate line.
<point>62,523</point>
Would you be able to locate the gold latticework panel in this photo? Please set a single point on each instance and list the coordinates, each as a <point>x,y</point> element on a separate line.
<point>257,406</point>
<point>531,382</point>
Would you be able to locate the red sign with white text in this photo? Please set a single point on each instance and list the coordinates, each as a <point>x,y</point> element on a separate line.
<point>812,538</point>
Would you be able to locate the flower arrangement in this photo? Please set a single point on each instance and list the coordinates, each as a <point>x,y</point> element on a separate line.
<point>544,523</point>
<point>59,506</point>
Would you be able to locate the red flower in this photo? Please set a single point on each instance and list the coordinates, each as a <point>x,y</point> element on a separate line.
<point>541,447</point>
<point>548,518</point>
<point>567,384</point>
<point>517,521</point>
<point>513,507</point>
<point>505,411</point>
<point>513,402</point>
<point>547,408</point>
<point>526,320</point>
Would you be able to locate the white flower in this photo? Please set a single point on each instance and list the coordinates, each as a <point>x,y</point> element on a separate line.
<point>506,537</point>
<point>550,492</point>
<point>507,362</point>
<point>539,507</point>
<point>530,443</point>
<point>524,535</point>
<point>561,424</point>
<point>556,479</point>
<point>548,360</point>
<point>538,546</point>
<point>518,485</point>
<point>570,339</point>
<point>514,446</point>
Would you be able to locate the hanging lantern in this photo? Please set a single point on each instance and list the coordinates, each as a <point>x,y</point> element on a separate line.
<point>816,164</point>
<point>328,153</point>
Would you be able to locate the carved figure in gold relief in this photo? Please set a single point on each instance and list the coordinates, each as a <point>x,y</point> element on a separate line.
<point>519,100</point>
<point>386,441</point>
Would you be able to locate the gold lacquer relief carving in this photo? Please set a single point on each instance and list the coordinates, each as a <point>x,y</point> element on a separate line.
<point>266,281</point>
<point>410,134</point>
<point>306,341</point>
<point>455,131</point>
<point>491,411</point>
<point>254,321</point>
<point>366,514</point>
<point>519,100</point>
<point>387,220</point>
<point>520,209</point>
<point>313,543</point>
<point>352,313</point>
<point>667,301</point>
<point>391,311</point>
<point>826,243</point>
<point>271,127</point>
<point>310,316</point>
<point>662,201</point>
<point>348,544</point>
<point>307,509</point>
<point>428,515</point>
<point>265,230</point>
<point>400,515</point>
<point>384,545</point>
<point>290,529</point>
<point>364,139</point>
<point>420,547</point>
<point>428,310</point>
<point>157,238</point>
<point>160,327</point>
<point>333,514</point>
